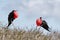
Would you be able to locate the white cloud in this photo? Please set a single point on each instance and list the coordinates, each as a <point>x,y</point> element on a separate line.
<point>43,8</point>
<point>35,7</point>
<point>39,8</point>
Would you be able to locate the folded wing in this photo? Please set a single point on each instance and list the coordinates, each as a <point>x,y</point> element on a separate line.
<point>44,25</point>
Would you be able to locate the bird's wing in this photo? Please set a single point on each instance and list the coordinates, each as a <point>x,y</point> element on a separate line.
<point>44,22</point>
<point>44,25</point>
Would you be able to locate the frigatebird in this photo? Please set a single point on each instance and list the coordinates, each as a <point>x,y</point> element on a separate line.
<point>42,23</point>
<point>11,17</point>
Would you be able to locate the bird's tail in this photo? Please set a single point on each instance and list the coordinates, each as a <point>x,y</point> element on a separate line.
<point>9,24</point>
<point>49,29</point>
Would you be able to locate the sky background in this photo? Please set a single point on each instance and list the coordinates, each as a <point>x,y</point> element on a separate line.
<point>29,11</point>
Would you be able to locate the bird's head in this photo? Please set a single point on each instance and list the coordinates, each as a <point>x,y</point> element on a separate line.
<point>40,17</point>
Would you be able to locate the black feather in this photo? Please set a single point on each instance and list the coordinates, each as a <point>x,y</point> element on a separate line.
<point>10,18</point>
<point>44,25</point>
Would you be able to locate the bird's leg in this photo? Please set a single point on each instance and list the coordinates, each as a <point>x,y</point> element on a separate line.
<point>38,28</point>
<point>13,24</point>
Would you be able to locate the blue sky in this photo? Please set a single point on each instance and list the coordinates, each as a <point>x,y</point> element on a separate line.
<point>30,10</point>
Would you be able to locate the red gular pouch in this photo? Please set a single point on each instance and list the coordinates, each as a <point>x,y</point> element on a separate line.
<point>39,22</point>
<point>15,15</point>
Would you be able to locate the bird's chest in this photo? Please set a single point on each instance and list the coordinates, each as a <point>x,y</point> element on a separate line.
<point>39,22</point>
<point>15,15</point>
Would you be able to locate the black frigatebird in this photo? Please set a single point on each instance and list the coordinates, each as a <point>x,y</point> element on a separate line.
<point>42,23</point>
<point>11,17</point>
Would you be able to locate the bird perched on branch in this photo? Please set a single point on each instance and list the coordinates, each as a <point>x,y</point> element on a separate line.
<point>11,17</point>
<point>42,23</point>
